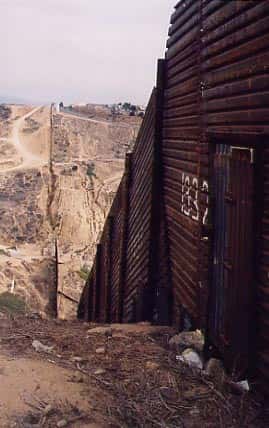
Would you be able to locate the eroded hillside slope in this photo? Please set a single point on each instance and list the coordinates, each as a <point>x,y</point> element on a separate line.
<point>58,175</point>
<point>27,261</point>
<point>87,164</point>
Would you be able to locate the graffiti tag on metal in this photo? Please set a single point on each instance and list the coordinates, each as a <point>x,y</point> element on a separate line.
<point>190,198</point>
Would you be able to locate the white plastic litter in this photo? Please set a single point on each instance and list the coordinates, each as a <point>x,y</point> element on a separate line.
<point>190,357</point>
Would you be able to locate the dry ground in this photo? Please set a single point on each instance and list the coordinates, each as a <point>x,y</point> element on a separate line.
<point>124,376</point>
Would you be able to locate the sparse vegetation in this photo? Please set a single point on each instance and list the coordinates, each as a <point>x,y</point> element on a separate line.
<point>12,303</point>
<point>84,273</point>
<point>132,109</point>
<point>5,112</point>
<point>126,106</point>
<point>90,170</point>
<point>32,126</point>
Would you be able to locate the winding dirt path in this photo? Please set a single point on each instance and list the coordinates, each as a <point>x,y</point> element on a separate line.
<point>99,122</point>
<point>29,160</point>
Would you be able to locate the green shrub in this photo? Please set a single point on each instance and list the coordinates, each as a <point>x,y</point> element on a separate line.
<point>12,303</point>
<point>84,273</point>
<point>90,170</point>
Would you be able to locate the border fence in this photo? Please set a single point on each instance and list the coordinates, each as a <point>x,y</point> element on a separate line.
<point>186,241</point>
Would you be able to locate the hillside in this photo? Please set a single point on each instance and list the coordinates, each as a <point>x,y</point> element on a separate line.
<point>58,174</point>
<point>87,164</point>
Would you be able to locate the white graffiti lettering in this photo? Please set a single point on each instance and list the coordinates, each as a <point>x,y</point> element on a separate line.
<point>190,198</point>
<point>205,190</point>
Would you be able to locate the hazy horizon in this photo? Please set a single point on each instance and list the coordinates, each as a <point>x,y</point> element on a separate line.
<point>80,50</point>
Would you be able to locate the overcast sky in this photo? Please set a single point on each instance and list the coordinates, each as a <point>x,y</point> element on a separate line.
<point>99,51</point>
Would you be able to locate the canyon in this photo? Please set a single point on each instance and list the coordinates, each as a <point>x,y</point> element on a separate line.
<point>58,176</point>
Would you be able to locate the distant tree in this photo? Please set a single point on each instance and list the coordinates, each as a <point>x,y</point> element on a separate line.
<point>126,106</point>
<point>61,105</point>
<point>133,110</point>
<point>90,170</point>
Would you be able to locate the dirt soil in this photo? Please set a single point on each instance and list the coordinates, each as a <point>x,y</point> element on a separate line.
<point>119,376</point>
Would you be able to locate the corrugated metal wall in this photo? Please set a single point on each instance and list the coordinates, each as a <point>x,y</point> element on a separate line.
<point>118,211</point>
<point>214,89</point>
<point>235,76</point>
<point>181,135</point>
<point>119,286</point>
<point>235,60</point>
<point>261,358</point>
<point>105,271</point>
<point>139,219</point>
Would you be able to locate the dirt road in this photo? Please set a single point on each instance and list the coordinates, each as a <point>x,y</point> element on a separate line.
<point>28,158</point>
<point>97,121</point>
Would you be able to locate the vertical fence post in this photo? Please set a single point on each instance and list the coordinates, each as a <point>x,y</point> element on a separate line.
<point>203,149</point>
<point>156,307</point>
<point>124,245</point>
<point>96,281</point>
<point>110,222</point>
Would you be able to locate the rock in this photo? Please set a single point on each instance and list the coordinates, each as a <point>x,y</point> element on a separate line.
<point>34,316</point>
<point>239,387</point>
<point>99,372</point>
<point>100,350</point>
<point>190,357</point>
<point>244,385</point>
<point>151,365</point>
<point>39,347</point>
<point>106,331</point>
<point>214,368</point>
<point>62,423</point>
<point>78,359</point>
<point>187,339</point>
<point>48,410</point>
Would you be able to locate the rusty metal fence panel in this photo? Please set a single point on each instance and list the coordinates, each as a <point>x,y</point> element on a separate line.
<point>216,88</point>
<point>262,255</point>
<point>235,109</point>
<point>87,304</point>
<point>119,211</point>
<point>123,265</point>
<point>235,58</point>
<point>116,254</point>
<point>105,270</point>
<point>139,219</point>
<point>180,157</point>
<point>233,252</point>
